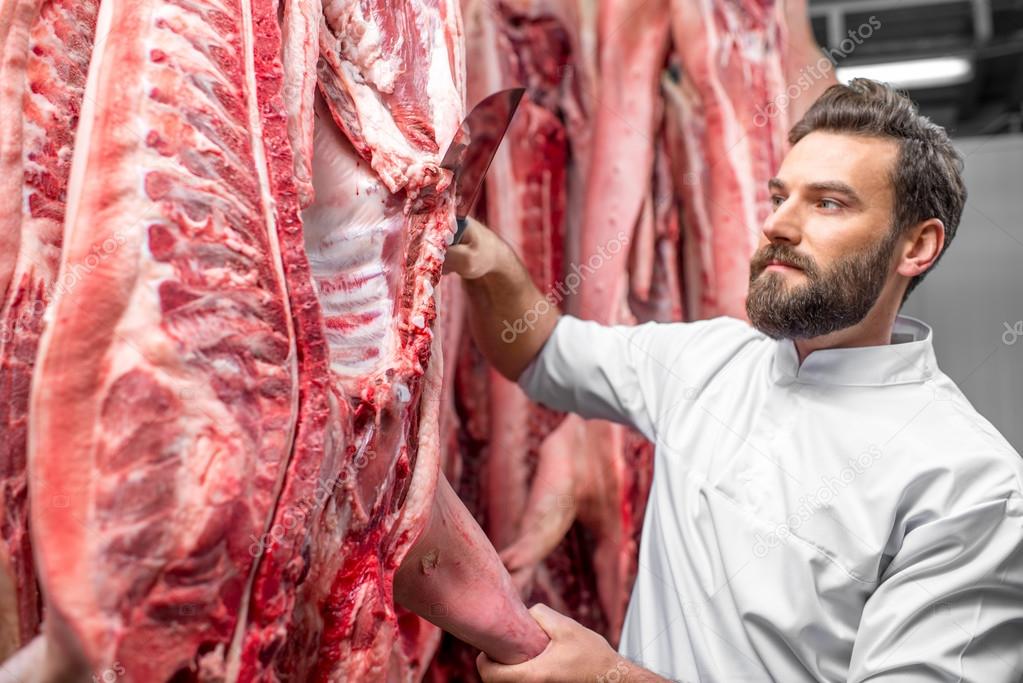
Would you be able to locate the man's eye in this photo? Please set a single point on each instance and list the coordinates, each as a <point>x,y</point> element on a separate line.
<point>829,204</point>
<point>777,200</point>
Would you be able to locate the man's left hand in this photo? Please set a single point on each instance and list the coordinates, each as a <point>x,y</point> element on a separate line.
<point>575,653</point>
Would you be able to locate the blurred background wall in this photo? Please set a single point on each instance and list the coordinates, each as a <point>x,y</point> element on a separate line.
<point>974,298</point>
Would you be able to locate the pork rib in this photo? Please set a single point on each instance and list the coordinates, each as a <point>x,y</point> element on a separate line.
<point>376,252</point>
<point>172,380</point>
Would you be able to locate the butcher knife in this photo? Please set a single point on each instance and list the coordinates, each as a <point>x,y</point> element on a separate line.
<point>473,148</point>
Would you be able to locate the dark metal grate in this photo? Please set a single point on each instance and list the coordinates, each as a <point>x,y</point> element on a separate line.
<point>946,26</point>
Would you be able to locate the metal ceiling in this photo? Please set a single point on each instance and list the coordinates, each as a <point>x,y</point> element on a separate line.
<point>987,32</point>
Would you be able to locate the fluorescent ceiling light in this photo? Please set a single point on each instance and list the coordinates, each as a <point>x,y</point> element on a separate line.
<point>917,73</point>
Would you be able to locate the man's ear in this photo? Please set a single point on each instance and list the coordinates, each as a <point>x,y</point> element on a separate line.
<point>922,248</point>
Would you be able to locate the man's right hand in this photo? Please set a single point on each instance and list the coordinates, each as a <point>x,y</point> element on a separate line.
<point>474,255</point>
<point>509,318</point>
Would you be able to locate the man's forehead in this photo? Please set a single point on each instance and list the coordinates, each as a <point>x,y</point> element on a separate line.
<point>862,162</point>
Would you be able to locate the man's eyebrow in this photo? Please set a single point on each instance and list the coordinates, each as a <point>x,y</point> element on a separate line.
<point>835,186</point>
<point>820,187</point>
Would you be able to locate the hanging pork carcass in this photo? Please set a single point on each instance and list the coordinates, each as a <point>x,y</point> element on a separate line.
<point>225,403</point>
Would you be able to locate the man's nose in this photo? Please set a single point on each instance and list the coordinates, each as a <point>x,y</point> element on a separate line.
<point>784,223</point>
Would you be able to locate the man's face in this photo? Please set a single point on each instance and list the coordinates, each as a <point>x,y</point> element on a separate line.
<point>825,252</point>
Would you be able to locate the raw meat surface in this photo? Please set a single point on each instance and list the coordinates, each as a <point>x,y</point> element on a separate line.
<point>540,497</point>
<point>46,57</point>
<point>393,76</point>
<point>731,66</point>
<point>255,441</point>
<point>301,52</point>
<point>172,377</point>
<point>806,66</point>
<point>376,252</point>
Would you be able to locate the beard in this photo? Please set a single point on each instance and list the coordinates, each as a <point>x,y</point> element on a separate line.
<point>829,300</point>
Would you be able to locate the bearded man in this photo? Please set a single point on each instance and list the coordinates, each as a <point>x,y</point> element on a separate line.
<point>826,504</point>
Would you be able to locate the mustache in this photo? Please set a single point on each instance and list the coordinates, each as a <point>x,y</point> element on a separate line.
<point>785,254</point>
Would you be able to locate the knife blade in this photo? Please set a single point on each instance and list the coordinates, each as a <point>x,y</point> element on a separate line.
<point>473,147</point>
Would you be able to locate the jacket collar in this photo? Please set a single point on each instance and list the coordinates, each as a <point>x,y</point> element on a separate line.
<point>908,358</point>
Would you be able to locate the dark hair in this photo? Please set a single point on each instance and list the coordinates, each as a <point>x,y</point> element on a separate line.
<point>927,177</point>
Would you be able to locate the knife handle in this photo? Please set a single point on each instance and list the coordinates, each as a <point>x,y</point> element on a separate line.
<point>461,224</point>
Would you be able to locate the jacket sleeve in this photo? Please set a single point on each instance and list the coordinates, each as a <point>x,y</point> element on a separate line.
<point>625,374</point>
<point>950,605</point>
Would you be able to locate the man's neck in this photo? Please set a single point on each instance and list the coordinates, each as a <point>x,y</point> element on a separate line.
<point>873,330</point>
